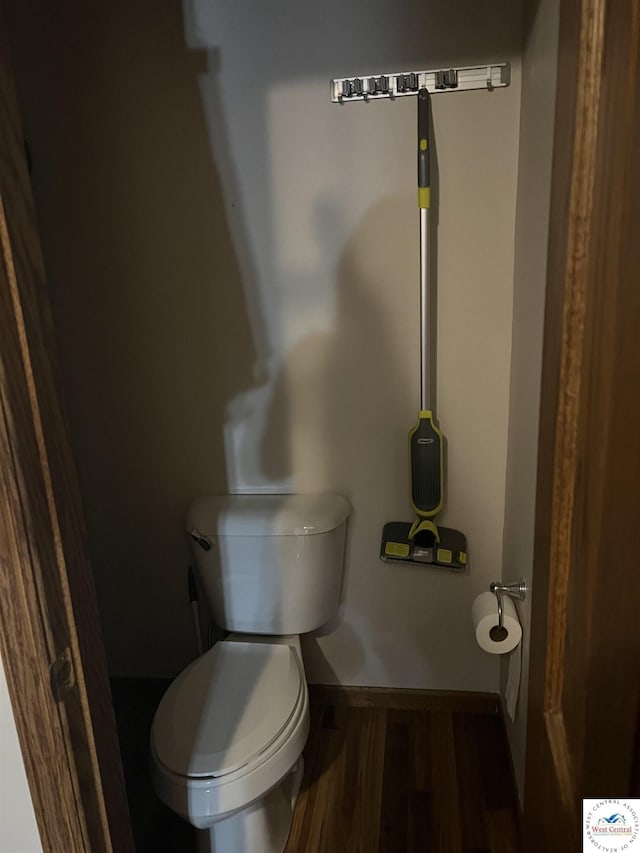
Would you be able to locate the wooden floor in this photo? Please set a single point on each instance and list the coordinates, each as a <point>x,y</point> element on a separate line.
<point>398,781</point>
<point>377,779</point>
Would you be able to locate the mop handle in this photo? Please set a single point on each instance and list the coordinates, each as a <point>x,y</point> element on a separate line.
<point>424,203</point>
<point>424,176</point>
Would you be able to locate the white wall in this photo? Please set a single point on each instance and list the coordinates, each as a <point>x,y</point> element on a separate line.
<point>234,260</point>
<point>539,66</point>
<point>18,829</point>
<point>322,200</point>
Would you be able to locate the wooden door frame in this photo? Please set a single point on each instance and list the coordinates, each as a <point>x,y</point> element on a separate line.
<point>575,132</point>
<point>581,571</point>
<point>47,597</point>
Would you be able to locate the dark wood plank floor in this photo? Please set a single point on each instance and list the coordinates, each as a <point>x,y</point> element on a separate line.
<point>383,780</point>
<point>377,779</point>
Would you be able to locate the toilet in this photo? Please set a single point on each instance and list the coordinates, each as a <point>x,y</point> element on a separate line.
<point>227,738</point>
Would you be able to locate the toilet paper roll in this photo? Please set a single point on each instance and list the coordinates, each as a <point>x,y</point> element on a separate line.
<point>484,614</point>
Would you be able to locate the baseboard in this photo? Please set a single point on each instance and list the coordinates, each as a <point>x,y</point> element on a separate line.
<point>405,699</point>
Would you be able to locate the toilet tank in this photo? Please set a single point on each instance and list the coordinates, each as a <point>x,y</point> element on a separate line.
<point>270,564</point>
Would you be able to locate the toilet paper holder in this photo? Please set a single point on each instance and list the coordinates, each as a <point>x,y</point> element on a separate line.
<point>516,589</point>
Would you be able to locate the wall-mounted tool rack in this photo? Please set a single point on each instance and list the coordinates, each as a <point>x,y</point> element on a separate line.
<point>400,83</point>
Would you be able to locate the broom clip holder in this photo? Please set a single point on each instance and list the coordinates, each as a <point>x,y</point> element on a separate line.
<point>369,87</point>
<point>517,589</point>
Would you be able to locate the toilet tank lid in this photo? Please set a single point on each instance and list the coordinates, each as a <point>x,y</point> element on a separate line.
<point>267,515</point>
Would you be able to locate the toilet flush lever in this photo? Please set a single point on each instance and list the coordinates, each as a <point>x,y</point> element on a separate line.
<point>203,541</point>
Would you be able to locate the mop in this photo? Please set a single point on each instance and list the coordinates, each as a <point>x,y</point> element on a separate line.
<point>423,541</point>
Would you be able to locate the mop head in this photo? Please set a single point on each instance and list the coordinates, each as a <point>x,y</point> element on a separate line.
<point>450,552</point>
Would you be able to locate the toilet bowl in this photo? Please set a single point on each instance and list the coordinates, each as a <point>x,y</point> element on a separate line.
<point>227,738</point>
<point>231,729</point>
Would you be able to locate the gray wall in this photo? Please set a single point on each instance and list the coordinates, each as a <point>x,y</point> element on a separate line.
<point>234,266</point>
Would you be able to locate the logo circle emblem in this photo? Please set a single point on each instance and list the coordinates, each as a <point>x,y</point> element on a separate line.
<point>611,825</point>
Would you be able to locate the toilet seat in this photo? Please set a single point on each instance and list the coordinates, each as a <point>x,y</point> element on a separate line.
<point>227,708</point>
<point>203,798</point>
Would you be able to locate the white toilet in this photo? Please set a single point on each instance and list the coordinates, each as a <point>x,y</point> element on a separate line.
<point>227,738</point>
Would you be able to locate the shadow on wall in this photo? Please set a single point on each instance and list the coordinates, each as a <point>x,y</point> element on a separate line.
<point>334,390</point>
<point>190,295</point>
<point>330,383</point>
<point>332,418</point>
<point>148,296</point>
<point>264,67</point>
